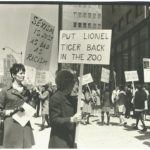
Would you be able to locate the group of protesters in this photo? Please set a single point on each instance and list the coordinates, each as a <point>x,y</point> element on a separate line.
<point>123,102</point>
<point>58,104</point>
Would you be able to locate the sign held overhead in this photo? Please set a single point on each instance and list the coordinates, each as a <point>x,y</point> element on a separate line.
<point>131,76</point>
<point>39,43</point>
<point>85,46</point>
<point>105,75</point>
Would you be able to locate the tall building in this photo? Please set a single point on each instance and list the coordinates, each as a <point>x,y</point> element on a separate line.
<point>83,17</point>
<point>130,26</point>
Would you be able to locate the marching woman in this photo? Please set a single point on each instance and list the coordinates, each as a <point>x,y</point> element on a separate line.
<point>62,111</point>
<point>11,100</point>
<point>139,104</point>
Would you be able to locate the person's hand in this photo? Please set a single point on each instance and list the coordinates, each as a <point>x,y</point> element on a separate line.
<point>8,112</point>
<point>76,118</point>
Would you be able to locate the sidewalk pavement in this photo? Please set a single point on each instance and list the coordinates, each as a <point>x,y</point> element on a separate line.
<point>97,136</point>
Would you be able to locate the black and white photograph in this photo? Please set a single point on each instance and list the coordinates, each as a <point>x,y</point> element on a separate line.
<point>74,74</point>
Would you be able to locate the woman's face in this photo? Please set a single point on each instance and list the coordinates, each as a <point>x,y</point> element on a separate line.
<point>19,77</point>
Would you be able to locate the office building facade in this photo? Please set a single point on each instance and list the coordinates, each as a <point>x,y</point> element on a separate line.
<point>130,26</point>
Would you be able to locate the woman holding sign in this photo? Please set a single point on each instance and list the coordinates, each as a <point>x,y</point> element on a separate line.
<point>62,111</point>
<point>11,100</point>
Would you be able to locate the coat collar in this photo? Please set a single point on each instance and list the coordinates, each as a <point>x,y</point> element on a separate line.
<point>15,92</point>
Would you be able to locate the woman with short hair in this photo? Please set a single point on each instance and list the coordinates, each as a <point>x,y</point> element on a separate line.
<point>62,111</point>
<point>11,101</point>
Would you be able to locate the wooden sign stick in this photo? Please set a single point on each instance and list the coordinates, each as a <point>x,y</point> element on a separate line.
<point>79,102</point>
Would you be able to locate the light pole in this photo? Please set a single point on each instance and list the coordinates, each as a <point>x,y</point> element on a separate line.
<point>13,51</point>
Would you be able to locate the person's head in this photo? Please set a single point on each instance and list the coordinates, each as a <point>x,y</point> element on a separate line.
<point>65,81</point>
<point>107,89</point>
<point>17,72</point>
<point>121,87</point>
<point>45,87</point>
<point>139,87</point>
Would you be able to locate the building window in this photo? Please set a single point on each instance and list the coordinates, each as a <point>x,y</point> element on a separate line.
<point>94,15</point>
<point>74,24</point>
<point>99,16</point>
<point>99,26</point>
<point>129,17</point>
<point>121,24</point>
<point>85,15</point>
<point>75,14</point>
<point>89,15</point>
<point>79,14</point>
<point>79,25</point>
<point>89,25</point>
<point>84,25</point>
<point>94,26</point>
<point>138,10</point>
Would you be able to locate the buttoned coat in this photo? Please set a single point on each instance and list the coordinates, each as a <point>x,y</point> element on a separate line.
<point>62,130</point>
<point>15,136</point>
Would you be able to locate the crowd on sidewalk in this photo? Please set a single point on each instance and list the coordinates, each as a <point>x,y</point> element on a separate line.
<point>58,104</point>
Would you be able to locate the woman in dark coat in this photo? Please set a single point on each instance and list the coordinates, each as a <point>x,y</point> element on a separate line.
<point>62,112</point>
<point>11,100</point>
<point>139,105</point>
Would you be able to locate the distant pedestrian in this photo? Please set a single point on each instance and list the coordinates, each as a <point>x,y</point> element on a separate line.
<point>44,96</point>
<point>121,105</point>
<point>106,105</point>
<point>87,108</point>
<point>139,105</point>
<point>128,104</point>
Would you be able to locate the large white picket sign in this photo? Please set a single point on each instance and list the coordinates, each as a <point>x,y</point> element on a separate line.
<point>86,79</point>
<point>105,75</point>
<point>85,46</point>
<point>146,69</point>
<point>131,76</point>
<point>39,43</point>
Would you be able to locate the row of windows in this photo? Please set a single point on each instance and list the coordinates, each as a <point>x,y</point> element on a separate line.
<point>87,25</point>
<point>88,6</point>
<point>87,15</point>
<point>127,19</point>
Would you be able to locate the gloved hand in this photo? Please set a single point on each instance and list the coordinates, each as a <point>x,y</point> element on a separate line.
<point>76,118</point>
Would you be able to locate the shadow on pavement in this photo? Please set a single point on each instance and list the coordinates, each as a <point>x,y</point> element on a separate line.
<point>144,136</point>
<point>147,143</point>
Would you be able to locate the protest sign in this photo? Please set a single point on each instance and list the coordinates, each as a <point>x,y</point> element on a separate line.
<point>40,78</point>
<point>105,75</point>
<point>23,117</point>
<point>146,69</point>
<point>131,76</point>
<point>39,43</point>
<point>86,79</point>
<point>85,46</point>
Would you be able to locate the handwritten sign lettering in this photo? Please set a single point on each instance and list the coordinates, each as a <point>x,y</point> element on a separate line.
<point>85,46</point>
<point>39,43</point>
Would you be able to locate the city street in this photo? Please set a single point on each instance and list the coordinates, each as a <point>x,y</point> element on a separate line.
<point>97,136</point>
